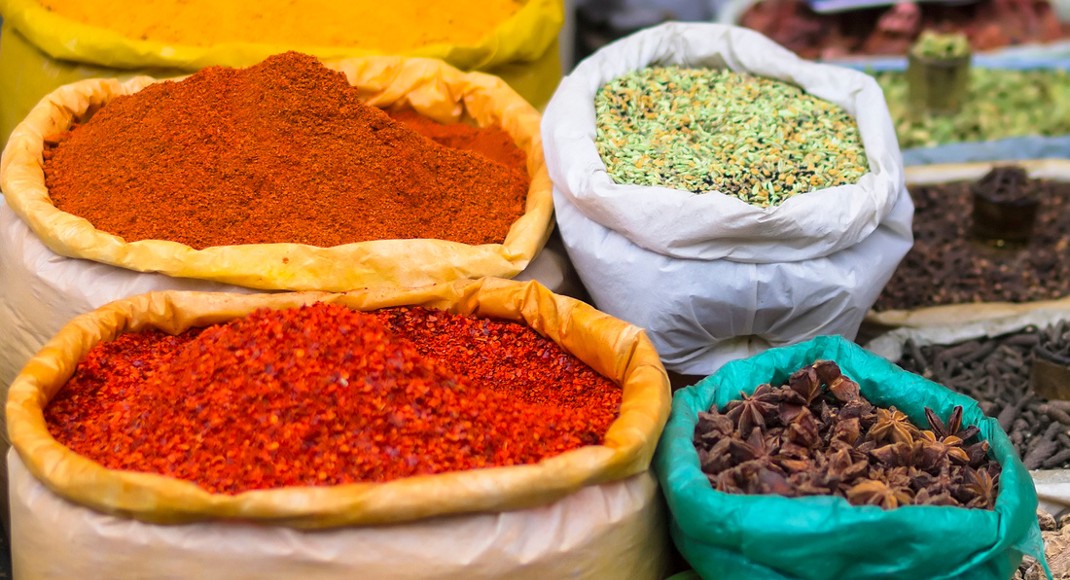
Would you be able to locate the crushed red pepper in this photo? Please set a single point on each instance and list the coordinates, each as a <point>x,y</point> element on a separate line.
<point>283,151</point>
<point>325,395</point>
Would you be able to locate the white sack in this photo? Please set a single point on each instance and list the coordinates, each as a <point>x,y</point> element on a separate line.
<point>710,276</point>
<point>616,530</point>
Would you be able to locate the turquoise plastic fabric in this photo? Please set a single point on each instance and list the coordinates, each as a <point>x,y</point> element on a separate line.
<point>766,536</point>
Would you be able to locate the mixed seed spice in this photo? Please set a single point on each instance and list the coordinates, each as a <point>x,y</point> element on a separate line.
<point>996,372</point>
<point>325,395</point>
<point>947,265</point>
<point>817,435</point>
<point>701,130</point>
<point>1001,103</point>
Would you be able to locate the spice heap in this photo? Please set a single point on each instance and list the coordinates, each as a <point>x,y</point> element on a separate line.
<point>1056,535</point>
<point>892,30</point>
<point>941,46</point>
<point>324,395</point>
<point>996,372</point>
<point>398,26</point>
<point>284,151</point>
<point>946,266</point>
<point>700,130</point>
<point>817,435</point>
<point>1001,103</point>
<point>491,142</point>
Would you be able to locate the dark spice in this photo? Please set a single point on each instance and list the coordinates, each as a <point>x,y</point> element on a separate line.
<point>947,265</point>
<point>817,435</point>
<point>325,395</point>
<point>996,372</point>
<point>283,151</point>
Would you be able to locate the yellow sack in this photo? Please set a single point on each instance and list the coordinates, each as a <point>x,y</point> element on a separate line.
<point>610,346</point>
<point>41,50</point>
<point>431,87</point>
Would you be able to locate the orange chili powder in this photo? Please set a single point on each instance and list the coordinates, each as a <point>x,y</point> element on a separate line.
<point>284,151</point>
<point>325,395</point>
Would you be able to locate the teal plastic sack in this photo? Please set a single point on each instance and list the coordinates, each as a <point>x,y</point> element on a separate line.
<point>767,536</point>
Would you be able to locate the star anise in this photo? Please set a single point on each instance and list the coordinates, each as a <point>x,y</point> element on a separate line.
<point>804,430</point>
<point>751,411</point>
<point>878,493</point>
<point>978,489</point>
<point>949,446</point>
<point>841,387</point>
<point>716,459</point>
<point>953,428</point>
<point>755,448</point>
<point>806,383</point>
<point>924,497</point>
<point>892,425</point>
<point>895,455</point>
<point>712,426</point>
<point>844,467</point>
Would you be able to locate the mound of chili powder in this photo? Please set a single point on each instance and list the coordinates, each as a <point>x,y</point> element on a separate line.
<point>324,395</point>
<point>283,151</point>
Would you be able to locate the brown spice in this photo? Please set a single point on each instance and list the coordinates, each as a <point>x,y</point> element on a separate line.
<point>284,151</point>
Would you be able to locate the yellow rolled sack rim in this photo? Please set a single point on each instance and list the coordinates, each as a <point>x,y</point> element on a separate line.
<point>612,347</point>
<point>523,37</point>
<point>430,87</point>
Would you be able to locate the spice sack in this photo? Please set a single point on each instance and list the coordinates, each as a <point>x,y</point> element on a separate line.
<point>586,509</point>
<point>46,43</point>
<point>772,536</point>
<point>711,277</point>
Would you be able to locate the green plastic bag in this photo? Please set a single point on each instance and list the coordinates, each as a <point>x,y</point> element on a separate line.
<point>767,536</point>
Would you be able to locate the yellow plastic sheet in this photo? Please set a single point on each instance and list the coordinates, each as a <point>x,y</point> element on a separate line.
<point>40,51</point>
<point>612,347</point>
<point>429,86</point>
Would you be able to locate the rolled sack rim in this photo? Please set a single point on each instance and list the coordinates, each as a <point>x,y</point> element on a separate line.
<point>613,347</point>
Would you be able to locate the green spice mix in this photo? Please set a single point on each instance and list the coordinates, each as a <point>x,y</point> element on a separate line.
<point>1002,103</point>
<point>701,130</point>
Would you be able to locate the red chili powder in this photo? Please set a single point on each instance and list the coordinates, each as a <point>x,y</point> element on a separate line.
<point>325,395</point>
<point>283,151</point>
<point>491,142</point>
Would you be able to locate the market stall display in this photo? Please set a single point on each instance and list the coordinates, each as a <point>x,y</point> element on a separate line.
<point>46,44</point>
<point>820,536</point>
<point>796,225</point>
<point>1007,114</point>
<point>1000,27</point>
<point>957,272</point>
<point>994,362</point>
<point>413,358</point>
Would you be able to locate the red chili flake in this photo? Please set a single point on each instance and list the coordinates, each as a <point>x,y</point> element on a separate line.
<point>325,395</point>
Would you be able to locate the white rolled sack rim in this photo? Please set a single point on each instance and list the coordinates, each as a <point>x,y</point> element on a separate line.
<point>714,225</point>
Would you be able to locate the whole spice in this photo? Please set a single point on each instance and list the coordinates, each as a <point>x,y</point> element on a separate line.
<point>284,151</point>
<point>701,130</point>
<point>941,46</point>
<point>947,266</point>
<point>398,26</point>
<point>324,395</point>
<point>996,372</point>
<point>1000,103</point>
<point>817,435</point>
<point>1056,534</point>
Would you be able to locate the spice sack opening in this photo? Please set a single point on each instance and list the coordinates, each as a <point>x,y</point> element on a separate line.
<point>613,348</point>
<point>715,276</point>
<point>430,87</point>
<point>772,536</point>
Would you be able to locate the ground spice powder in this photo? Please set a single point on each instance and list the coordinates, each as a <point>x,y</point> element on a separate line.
<point>284,151</point>
<point>324,395</point>
<point>395,26</point>
<point>491,142</point>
